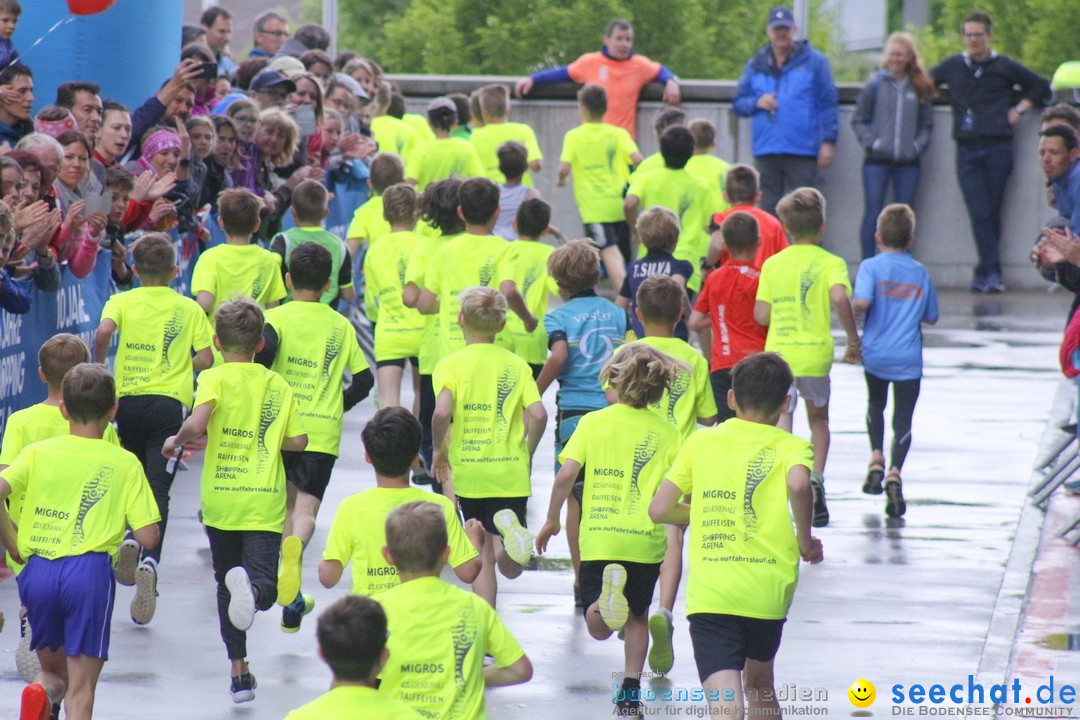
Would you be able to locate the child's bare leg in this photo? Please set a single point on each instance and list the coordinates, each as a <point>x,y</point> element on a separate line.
<point>416,390</point>
<point>761,696</point>
<point>239,667</point>
<point>726,687</point>
<point>54,673</point>
<point>615,265</point>
<point>671,568</point>
<point>485,585</point>
<point>507,566</point>
<point>598,629</point>
<point>573,531</point>
<point>818,417</point>
<point>83,672</point>
<point>636,644</point>
<point>305,508</point>
<point>290,504</point>
<point>389,380</point>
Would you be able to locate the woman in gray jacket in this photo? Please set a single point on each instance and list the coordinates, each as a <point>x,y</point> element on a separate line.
<point>893,118</point>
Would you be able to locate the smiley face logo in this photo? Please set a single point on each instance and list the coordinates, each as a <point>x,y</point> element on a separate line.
<point>862,693</point>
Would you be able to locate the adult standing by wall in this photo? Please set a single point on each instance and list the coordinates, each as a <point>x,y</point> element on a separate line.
<point>218,24</point>
<point>615,66</point>
<point>893,120</point>
<point>788,91</point>
<point>271,30</point>
<point>984,89</point>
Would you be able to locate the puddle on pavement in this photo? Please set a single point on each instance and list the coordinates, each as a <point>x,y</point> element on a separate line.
<point>1061,641</point>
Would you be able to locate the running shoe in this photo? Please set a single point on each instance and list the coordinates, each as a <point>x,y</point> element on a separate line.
<point>127,560</point>
<point>613,606</point>
<point>821,510</point>
<point>292,550</point>
<point>35,703</point>
<point>243,686</point>
<point>26,660</point>
<point>293,613</point>
<point>241,601</point>
<point>895,506</point>
<point>662,652</point>
<point>517,540</point>
<point>144,604</point>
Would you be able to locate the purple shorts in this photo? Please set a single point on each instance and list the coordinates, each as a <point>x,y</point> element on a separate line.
<point>69,603</point>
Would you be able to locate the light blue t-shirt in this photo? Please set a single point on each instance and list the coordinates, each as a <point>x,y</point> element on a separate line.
<point>592,328</point>
<point>901,298</point>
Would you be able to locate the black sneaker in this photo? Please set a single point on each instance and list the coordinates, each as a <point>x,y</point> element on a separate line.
<point>993,283</point>
<point>895,506</point>
<point>293,613</point>
<point>821,510</point>
<point>629,704</point>
<point>874,475</point>
<point>243,688</point>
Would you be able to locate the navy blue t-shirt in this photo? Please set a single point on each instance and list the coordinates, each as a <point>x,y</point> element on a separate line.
<point>656,262</point>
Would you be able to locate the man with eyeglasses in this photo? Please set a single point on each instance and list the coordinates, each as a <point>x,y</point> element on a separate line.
<point>271,30</point>
<point>982,90</point>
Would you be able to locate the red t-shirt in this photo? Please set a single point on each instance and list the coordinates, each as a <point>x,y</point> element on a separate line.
<point>728,298</point>
<point>773,239</point>
<point>623,80</point>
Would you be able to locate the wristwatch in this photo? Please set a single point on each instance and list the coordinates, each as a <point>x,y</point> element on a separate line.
<point>185,163</point>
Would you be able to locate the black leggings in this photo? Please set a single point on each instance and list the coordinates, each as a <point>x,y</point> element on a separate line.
<point>905,395</point>
<point>427,409</point>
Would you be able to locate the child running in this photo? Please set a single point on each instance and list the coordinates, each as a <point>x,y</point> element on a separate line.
<point>352,641</point>
<point>45,420</point>
<point>895,293</point>
<point>243,480</point>
<point>159,329</point>
<point>399,330</point>
<point>498,420</point>
<point>689,403</point>
<point>439,635</point>
<point>796,289</point>
<point>744,552</point>
<point>582,335</point>
<point>498,130</point>
<point>311,345</point>
<point>658,229</point>
<point>623,451</point>
<point>445,156</point>
<point>357,534</point>
<point>80,494</point>
<point>512,191</point>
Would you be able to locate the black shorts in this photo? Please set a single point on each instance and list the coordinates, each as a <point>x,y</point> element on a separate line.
<point>484,509</point>
<point>397,362</point>
<point>610,234</point>
<point>721,383</point>
<point>309,471</point>
<point>725,642</point>
<point>640,583</point>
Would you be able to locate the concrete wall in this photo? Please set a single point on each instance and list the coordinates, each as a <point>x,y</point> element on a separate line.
<point>944,240</point>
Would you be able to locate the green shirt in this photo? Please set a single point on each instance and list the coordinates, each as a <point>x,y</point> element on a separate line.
<point>354,701</point>
<point>692,396</point>
<point>536,286</point>
<point>316,345</point>
<point>713,171</point>
<point>415,274</point>
<point>159,329</point>
<point>490,138</point>
<point>796,283</point>
<point>444,158</point>
<point>600,157</point>
<point>396,136</point>
<point>243,479</point>
<point>399,330</point>
<point>492,387</point>
<point>339,256</point>
<point>230,272</point>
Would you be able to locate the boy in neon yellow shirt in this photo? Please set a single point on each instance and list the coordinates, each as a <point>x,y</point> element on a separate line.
<point>368,224</point>
<point>744,552</point>
<point>497,129</point>
<point>689,403</point>
<point>537,286</point>
<point>474,259</point>
<point>81,493</point>
<point>56,356</point>
<point>352,641</point>
<point>708,167</point>
<point>309,209</point>
<point>393,135</point>
<point>159,329</point>
<point>798,285</point>
<point>676,189</point>
<point>238,268</point>
<point>498,420</point>
<point>668,117</point>
<point>600,156</point>
<point>623,452</point>
<point>399,330</point>
<point>243,480</point>
<point>446,156</point>
<point>311,345</point>
<point>357,535</point>
<point>438,634</point>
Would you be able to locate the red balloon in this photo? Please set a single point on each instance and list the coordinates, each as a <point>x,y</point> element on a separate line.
<point>89,7</point>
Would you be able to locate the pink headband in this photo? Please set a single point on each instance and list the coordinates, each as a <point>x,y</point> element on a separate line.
<point>160,141</point>
<point>55,128</point>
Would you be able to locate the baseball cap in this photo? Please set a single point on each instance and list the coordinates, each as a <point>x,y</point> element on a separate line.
<point>781,16</point>
<point>270,78</point>
<point>354,87</point>
<point>442,103</point>
<point>287,65</point>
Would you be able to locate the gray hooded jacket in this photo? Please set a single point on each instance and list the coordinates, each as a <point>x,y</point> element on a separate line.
<point>891,124</point>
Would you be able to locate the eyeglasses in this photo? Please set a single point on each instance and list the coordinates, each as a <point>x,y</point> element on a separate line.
<point>246,120</point>
<point>275,33</point>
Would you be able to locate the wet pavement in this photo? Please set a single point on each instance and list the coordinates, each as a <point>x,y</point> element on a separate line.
<point>928,600</point>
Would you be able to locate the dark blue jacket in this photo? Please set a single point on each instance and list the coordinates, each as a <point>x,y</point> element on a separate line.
<point>806,114</point>
<point>1067,196</point>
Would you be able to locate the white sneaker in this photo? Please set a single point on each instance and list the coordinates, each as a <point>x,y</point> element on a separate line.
<point>517,540</point>
<point>241,598</point>
<point>144,604</point>
<point>613,606</point>
<point>26,660</point>
<point>127,560</point>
